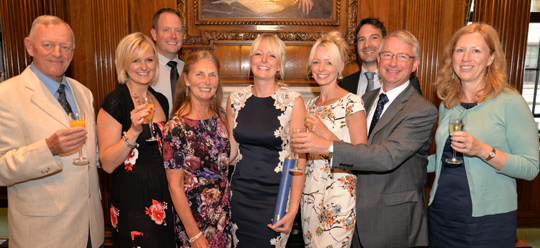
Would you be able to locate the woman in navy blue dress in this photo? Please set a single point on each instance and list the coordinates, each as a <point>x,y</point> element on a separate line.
<point>261,116</point>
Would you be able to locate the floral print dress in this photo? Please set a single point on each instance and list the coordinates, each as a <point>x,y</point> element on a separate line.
<point>201,148</point>
<point>329,195</point>
<point>141,208</point>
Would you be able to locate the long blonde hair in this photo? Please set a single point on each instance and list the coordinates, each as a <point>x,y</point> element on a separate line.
<point>448,85</point>
<point>182,103</point>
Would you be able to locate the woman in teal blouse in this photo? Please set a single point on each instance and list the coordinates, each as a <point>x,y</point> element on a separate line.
<point>473,204</point>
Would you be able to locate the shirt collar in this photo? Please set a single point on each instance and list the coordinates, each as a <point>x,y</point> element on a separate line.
<point>393,93</point>
<point>164,60</point>
<point>50,83</point>
<point>363,73</point>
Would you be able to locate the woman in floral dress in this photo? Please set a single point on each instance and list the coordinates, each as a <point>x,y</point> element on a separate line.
<point>328,199</point>
<point>140,210</point>
<point>196,153</point>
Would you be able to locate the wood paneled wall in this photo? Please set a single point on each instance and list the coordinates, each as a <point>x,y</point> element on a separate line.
<point>100,24</point>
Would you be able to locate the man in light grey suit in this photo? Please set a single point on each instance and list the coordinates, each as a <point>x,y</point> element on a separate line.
<point>390,191</point>
<point>51,201</point>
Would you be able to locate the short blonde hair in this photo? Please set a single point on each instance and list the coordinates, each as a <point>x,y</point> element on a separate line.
<point>277,47</point>
<point>406,37</point>
<point>336,47</point>
<point>131,47</point>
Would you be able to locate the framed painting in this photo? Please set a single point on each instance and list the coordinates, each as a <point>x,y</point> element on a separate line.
<point>287,12</point>
<point>209,21</point>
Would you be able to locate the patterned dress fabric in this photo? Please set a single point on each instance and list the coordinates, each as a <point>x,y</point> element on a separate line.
<point>261,128</point>
<point>329,195</point>
<point>201,148</point>
<point>141,208</point>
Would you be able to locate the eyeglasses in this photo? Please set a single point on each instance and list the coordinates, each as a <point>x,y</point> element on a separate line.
<point>400,57</point>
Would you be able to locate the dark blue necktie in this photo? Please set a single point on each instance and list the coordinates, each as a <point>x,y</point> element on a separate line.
<point>62,98</point>
<point>380,106</point>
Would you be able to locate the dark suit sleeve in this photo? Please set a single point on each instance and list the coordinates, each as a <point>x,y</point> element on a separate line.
<point>410,136</point>
<point>416,84</point>
<point>350,83</point>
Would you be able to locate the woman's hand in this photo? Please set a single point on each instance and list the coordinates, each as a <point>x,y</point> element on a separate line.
<point>316,126</point>
<point>467,144</point>
<point>201,242</point>
<point>137,117</point>
<point>285,224</point>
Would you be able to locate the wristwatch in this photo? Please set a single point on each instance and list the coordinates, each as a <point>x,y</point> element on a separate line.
<point>490,155</point>
<point>331,150</point>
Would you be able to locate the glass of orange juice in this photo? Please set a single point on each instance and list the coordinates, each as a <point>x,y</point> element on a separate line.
<point>149,118</point>
<point>78,120</point>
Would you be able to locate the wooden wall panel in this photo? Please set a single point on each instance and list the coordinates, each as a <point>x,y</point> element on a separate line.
<point>511,19</point>
<point>15,29</point>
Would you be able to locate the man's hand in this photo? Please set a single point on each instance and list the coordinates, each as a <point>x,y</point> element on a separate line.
<point>66,140</point>
<point>307,142</point>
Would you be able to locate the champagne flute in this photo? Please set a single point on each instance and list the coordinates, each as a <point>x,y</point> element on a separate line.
<point>455,124</point>
<point>149,118</point>
<point>295,168</point>
<point>78,120</point>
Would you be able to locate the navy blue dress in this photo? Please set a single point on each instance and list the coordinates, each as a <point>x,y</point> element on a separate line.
<point>261,130</point>
<point>451,223</point>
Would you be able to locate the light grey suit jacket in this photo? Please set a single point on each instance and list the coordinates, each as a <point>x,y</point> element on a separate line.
<point>391,167</point>
<point>51,202</point>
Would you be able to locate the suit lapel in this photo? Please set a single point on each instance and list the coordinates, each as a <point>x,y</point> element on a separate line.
<point>43,99</point>
<point>80,99</point>
<point>369,99</point>
<point>391,112</point>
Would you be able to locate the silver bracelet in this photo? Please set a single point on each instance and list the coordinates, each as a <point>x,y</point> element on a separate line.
<point>126,141</point>
<point>191,240</point>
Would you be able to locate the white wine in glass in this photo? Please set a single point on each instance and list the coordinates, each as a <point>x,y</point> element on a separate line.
<point>78,120</point>
<point>149,118</point>
<point>455,124</point>
<point>296,168</point>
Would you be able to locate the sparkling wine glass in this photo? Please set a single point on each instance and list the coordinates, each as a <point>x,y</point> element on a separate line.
<point>78,120</point>
<point>455,124</point>
<point>149,118</point>
<point>295,155</point>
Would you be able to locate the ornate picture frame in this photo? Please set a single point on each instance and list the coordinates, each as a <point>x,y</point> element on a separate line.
<point>209,21</point>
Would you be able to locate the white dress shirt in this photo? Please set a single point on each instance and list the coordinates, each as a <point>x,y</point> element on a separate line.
<point>163,85</point>
<point>392,94</point>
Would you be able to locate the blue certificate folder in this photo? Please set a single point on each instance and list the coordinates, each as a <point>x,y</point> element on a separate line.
<point>284,188</point>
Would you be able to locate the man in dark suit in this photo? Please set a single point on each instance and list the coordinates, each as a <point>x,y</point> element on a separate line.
<point>390,191</point>
<point>369,34</point>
